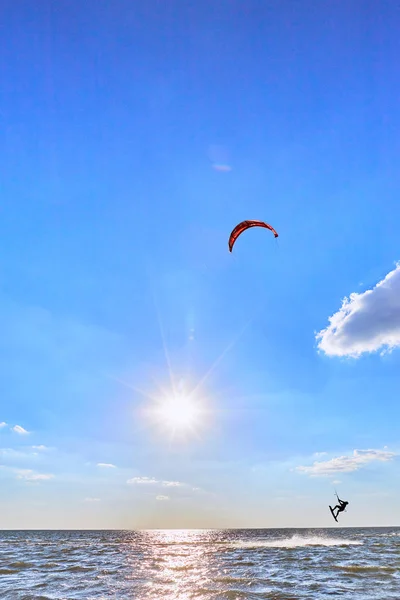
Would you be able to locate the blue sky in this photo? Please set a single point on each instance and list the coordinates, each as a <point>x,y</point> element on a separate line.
<point>115,268</point>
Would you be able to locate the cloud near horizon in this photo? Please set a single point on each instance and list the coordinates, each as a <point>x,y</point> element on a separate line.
<point>171,483</point>
<point>346,464</point>
<point>16,454</point>
<point>30,475</point>
<point>365,322</point>
<point>141,480</point>
<point>152,480</point>
<point>106,466</point>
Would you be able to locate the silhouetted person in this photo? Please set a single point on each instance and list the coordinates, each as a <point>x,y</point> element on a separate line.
<point>340,507</point>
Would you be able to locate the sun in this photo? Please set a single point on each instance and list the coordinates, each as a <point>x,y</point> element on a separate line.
<point>178,413</point>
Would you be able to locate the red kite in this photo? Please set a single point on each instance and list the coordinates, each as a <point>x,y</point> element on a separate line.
<point>245,225</point>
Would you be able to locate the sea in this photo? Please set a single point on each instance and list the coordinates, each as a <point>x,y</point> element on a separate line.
<point>278,564</point>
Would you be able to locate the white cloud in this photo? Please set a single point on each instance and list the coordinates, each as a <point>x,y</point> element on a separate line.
<point>21,453</point>
<point>346,464</point>
<point>147,480</point>
<point>12,454</point>
<point>366,322</point>
<point>19,429</point>
<point>152,480</point>
<point>106,466</point>
<point>30,475</point>
<point>162,497</point>
<point>39,476</point>
<point>336,482</point>
<point>3,424</point>
<point>141,480</point>
<point>172,483</point>
<point>92,499</point>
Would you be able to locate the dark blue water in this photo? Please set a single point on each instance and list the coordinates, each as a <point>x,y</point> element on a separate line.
<point>280,564</point>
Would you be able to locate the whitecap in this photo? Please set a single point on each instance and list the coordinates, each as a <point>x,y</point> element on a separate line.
<point>297,541</point>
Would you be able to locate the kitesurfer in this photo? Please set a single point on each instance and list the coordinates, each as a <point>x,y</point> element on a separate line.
<point>340,507</point>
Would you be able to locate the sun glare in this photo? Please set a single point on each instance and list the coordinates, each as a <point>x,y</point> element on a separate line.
<point>178,414</point>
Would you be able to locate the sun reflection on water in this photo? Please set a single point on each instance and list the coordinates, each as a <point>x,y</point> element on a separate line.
<point>175,563</point>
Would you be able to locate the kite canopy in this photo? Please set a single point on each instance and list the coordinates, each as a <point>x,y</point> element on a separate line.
<point>246,225</point>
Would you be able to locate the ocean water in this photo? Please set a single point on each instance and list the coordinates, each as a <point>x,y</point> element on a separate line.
<point>280,564</point>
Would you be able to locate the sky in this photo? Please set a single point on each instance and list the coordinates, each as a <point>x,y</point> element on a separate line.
<point>149,378</point>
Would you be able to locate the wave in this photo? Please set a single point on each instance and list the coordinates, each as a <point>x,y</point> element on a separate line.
<point>7,571</point>
<point>78,569</point>
<point>21,564</point>
<point>366,568</point>
<point>297,541</point>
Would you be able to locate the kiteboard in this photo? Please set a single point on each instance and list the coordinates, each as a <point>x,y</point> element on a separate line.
<point>333,514</point>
